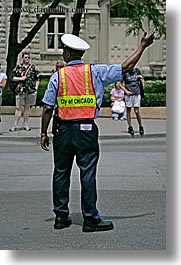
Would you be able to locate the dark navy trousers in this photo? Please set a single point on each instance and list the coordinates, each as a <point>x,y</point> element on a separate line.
<point>76,140</point>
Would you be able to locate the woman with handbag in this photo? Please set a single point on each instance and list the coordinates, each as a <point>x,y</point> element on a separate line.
<point>118,105</point>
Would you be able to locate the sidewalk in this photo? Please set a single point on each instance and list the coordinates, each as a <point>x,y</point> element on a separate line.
<point>107,128</point>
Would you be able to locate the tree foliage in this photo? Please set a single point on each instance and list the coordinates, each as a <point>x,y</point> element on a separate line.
<point>136,11</point>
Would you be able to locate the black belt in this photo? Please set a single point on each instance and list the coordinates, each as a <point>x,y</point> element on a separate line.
<point>87,121</point>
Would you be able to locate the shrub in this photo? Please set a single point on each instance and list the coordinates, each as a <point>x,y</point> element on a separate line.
<point>155,94</point>
<point>8,97</point>
<point>106,99</point>
<point>41,90</point>
<point>155,86</point>
<point>154,100</point>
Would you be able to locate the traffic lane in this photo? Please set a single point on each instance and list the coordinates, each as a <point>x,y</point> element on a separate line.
<point>138,217</point>
<point>151,144</point>
<point>143,145</point>
<point>20,147</point>
<point>24,166</point>
<point>133,165</point>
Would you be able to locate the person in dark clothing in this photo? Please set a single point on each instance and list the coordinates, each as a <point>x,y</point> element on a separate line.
<point>132,80</point>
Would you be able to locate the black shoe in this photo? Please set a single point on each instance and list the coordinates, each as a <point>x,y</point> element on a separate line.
<point>101,226</point>
<point>62,222</point>
<point>141,130</point>
<point>130,130</point>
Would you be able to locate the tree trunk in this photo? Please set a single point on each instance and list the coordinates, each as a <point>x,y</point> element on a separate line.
<point>80,9</point>
<point>13,46</point>
<point>11,63</point>
<point>38,25</point>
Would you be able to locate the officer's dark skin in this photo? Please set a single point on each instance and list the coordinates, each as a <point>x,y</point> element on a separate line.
<point>69,55</point>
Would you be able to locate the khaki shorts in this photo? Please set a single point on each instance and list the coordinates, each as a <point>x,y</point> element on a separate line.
<point>133,101</point>
<point>26,99</point>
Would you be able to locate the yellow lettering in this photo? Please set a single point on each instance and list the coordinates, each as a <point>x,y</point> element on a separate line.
<point>76,101</point>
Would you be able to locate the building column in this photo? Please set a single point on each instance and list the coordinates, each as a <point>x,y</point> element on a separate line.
<point>104,34</point>
<point>91,31</point>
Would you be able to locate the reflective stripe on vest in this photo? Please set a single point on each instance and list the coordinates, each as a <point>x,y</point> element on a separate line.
<point>76,98</point>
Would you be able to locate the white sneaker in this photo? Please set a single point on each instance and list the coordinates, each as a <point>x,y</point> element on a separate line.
<point>115,119</point>
<point>14,128</point>
<point>26,127</point>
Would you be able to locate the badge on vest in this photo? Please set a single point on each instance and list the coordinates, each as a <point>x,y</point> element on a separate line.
<point>86,127</point>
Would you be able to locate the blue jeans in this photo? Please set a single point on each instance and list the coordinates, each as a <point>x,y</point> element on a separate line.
<point>117,115</point>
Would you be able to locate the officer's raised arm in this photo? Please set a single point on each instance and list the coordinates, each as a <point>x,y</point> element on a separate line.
<point>132,60</point>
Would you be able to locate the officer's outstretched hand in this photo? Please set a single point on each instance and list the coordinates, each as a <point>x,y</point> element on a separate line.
<point>147,40</point>
<point>45,142</point>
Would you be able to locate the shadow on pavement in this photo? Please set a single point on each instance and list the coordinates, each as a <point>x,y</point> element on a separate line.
<point>78,220</point>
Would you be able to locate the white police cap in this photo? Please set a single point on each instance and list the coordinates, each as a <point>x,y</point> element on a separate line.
<point>74,42</point>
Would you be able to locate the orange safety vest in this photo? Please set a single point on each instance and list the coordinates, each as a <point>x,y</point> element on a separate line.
<point>76,97</point>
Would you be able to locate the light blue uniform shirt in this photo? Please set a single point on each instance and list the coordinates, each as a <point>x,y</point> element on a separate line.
<point>102,76</point>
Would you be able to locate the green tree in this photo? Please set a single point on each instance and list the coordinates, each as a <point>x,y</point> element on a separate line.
<point>137,10</point>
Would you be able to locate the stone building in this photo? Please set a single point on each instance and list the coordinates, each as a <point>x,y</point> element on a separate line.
<point>102,30</point>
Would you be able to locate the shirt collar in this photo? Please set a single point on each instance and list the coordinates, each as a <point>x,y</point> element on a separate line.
<point>75,62</point>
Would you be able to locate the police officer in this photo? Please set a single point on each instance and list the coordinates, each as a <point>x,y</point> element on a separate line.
<point>77,92</point>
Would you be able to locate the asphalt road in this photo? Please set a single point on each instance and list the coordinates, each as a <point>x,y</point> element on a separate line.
<point>131,183</point>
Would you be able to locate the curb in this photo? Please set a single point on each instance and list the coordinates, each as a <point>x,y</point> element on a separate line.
<point>36,139</point>
<point>146,112</point>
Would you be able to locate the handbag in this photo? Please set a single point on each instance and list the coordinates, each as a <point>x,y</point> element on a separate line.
<point>141,89</point>
<point>118,106</point>
<point>140,84</point>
